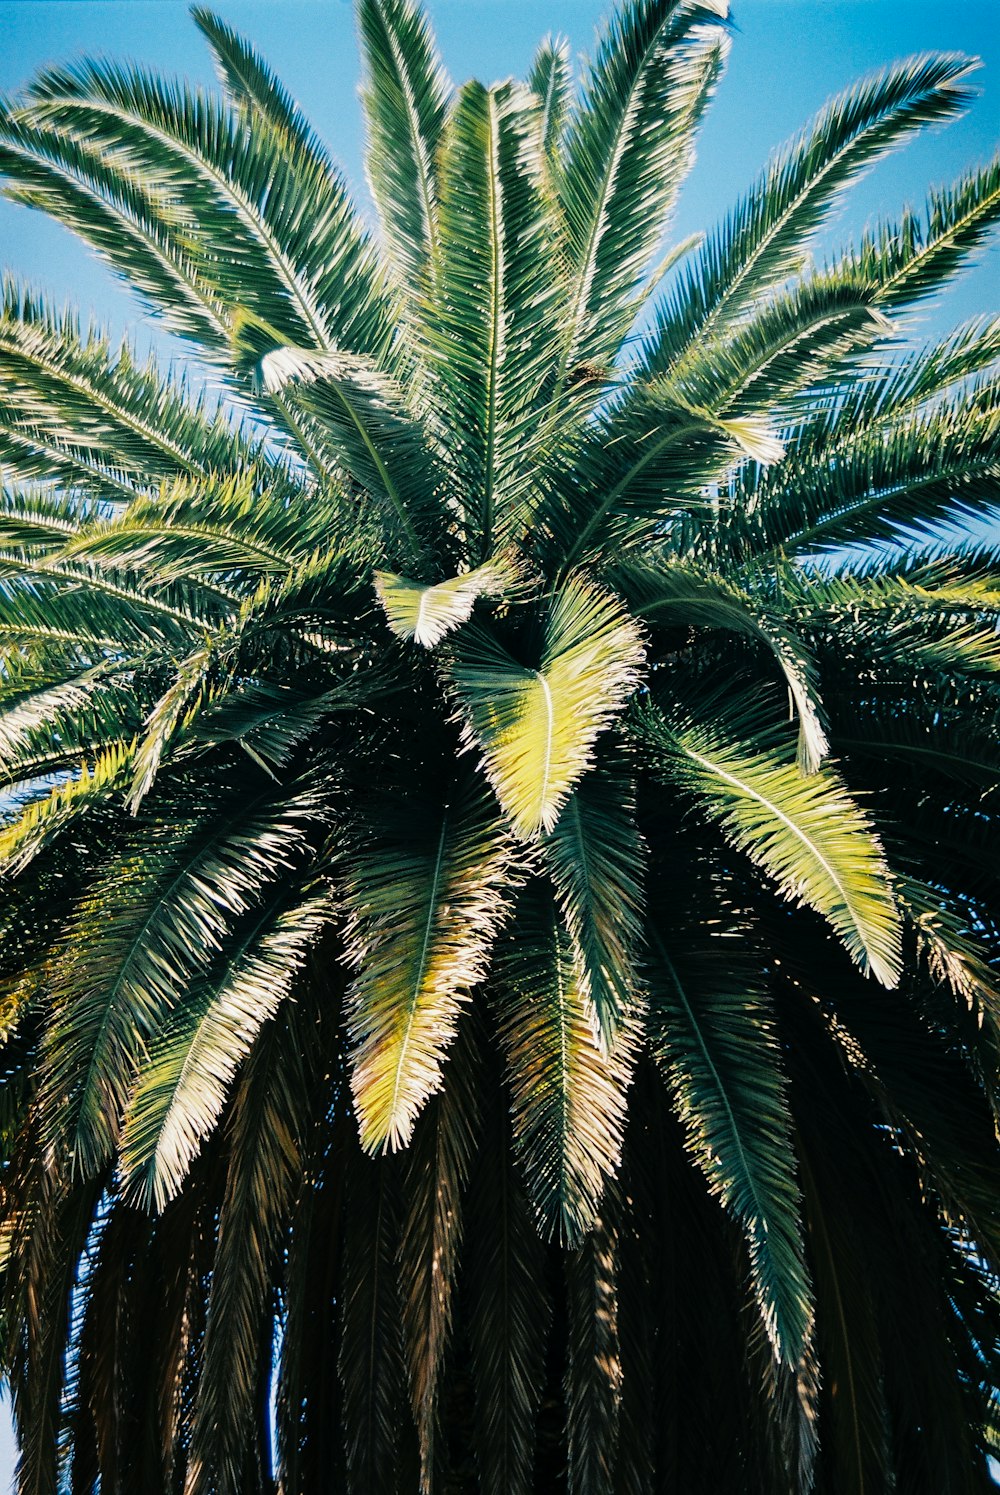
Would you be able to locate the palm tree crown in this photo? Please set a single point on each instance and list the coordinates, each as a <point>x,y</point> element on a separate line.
<point>496,968</point>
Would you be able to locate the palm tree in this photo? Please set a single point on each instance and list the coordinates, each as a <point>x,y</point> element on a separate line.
<point>500,778</point>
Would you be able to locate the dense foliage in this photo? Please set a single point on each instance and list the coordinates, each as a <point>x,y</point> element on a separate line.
<point>499,875</point>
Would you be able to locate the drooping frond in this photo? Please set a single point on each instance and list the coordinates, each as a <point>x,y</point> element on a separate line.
<point>713,1031</point>
<point>510,1313</point>
<point>806,833</point>
<point>426,897</point>
<point>431,1236</point>
<point>567,1096</point>
<point>372,1369</point>
<point>595,858</point>
<point>194,1059</point>
<point>594,1367</point>
<point>142,935</point>
<point>666,594</point>
<point>267,1132</point>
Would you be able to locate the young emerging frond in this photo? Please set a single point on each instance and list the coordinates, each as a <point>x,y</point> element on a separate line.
<point>537,727</point>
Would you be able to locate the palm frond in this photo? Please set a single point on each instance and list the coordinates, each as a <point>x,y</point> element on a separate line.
<point>426,614</point>
<point>406,98</point>
<point>488,330</point>
<point>627,148</point>
<point>594,1367</point>
<point>509,1314</point>
<point>364,417</point>
<point>567,1096</point>
<point>765,238</point>
<point>431,1235</point>
<point>130,225</point>
<point>194,1059</point>
<point>595,858</point>
<point>264,219</point>
<point>712,1029</point>
<point>551,80</point>
<point>681,591</point>
<point>806,833</point>
<point>41,822</point>
<point>371,1350</point>
<point>537,727</point>
<point>141,935</point>
<point>426,896</point>
<point>86,399</point>
<point>906,262</point>
<point>269,1117</point>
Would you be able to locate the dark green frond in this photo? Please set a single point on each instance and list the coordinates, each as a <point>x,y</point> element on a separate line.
<point>406,99</point>
<point>568,1096</point>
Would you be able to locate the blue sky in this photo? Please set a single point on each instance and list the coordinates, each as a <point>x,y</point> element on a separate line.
<point>788,57</point>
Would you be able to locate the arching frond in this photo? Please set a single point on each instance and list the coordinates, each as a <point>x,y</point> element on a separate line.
<point>806,833</point>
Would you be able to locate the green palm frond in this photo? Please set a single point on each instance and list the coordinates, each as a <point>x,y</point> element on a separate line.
<point>806,833</point>
<point>680,590</point>
<point>196,1056</point>
<point>551,80</point>
<point>952,951</point>
<point>764,240</point>
<point>933,468</point>
<point>247,203</point>
<point>787,347</point>
<point>627,148</point>
<point>537,727</point>
<point>40,822</point>
<point>426,898</point>
<point>406,100</point>
<point>713,1031</point>
<point>917,379</point>
<point>594,857</point>
<point>906,262</point>
<point>54,723</point>
<point>489,327</point>
<point>141,935</point>
<point>86,399</point>
<point>131,226</point>
<point>375,438</point>
<point>568,1097</point>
